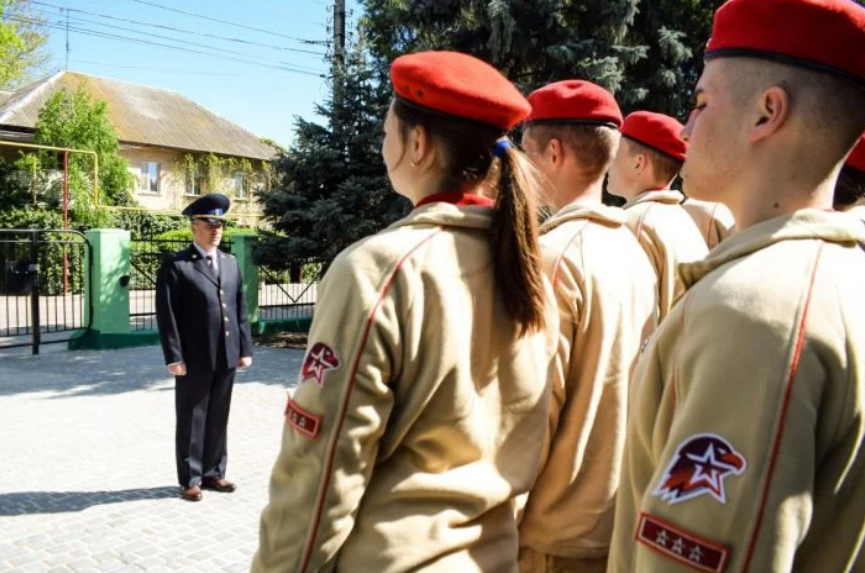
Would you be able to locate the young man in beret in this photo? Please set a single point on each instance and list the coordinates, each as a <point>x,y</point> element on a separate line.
<point>746,443</point>
<point>203,324</point>
<point>649,159</point>
<point>606,294</point>
<point>850,191</point>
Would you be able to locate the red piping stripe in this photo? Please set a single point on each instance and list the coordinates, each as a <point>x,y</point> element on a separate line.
<point>562,254</point>
<point>675,380</point>
<point>794,367</point>
<point>307,555</point>
<point>711,224</point>
<point>643,218</point>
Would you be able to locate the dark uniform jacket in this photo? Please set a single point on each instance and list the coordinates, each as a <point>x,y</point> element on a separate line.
<point>196,311</point>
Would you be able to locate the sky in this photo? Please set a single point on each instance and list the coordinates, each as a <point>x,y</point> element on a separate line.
<point>277,80</point>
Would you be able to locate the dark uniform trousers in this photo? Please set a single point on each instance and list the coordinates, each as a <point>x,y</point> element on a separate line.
<point>203,322</point>
<point>202,402</point>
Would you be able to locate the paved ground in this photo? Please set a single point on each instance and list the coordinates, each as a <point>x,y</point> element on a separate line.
<point>87,477</point>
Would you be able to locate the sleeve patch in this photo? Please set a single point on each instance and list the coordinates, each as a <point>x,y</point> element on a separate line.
<point>699,467</point>
<point>681,546</point>
<point>301,420</point>
<point>318,361</point>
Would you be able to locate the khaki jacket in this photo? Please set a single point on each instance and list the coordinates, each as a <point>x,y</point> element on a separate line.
<point>419,413</point>
<point>714,220</point>
<point>606,291</point>
<point>858,211</point>
<point>669,236</point>
<point>746,444</point>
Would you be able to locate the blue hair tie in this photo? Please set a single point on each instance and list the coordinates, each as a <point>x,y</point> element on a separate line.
<point>501,147</point>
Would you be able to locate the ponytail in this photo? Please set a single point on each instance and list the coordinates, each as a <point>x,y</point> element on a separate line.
<point>468,147</point>
<point>514,241</point>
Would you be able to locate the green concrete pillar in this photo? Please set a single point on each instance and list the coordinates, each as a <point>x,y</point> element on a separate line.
<point>242,245</point>
<point>107,293</point>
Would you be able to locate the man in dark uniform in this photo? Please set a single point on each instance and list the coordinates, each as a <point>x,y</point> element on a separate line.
<point>203,324</point>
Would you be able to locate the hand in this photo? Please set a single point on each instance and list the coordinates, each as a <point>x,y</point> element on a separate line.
<point>244,362</point>
<point>178,369</point>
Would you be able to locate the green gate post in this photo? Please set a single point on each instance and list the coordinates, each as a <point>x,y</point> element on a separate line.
<point>107,294</point>
<point>242,245</point>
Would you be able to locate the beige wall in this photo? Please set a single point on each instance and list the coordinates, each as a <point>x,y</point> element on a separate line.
<point>172,195</point>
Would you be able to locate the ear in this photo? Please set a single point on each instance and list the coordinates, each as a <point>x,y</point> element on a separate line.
<point>639,163</point>
<point>556,151</point>
<point>421,148</point>
<point>773,110</point>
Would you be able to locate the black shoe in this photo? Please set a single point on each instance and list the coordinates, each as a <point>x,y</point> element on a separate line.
<point>192,493</point>
<point>221,485</point>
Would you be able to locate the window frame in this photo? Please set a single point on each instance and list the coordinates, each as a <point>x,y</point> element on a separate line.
<point>194,180</point>
<point>239,191</point>
<point>149,178</point>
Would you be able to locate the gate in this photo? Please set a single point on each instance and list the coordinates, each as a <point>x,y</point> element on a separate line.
<point>145,261</point>
<point>290,293</point>
<point>42,286</point>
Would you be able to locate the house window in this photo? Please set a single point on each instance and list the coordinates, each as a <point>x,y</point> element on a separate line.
<point>239,185</point>
<point>193,181</point>
<point>148,179</point>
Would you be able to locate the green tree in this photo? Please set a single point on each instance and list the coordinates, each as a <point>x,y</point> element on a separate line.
<point>79,121</point>
<point>675,33</point>
<point>533,42</point>
<point>331,186</point>
<point>22,42</point>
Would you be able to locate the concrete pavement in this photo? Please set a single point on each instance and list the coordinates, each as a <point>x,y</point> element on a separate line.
<point>87,477</point>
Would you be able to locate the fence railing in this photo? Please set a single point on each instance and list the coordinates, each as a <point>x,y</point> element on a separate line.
<point>291,293</point>
<point>43,277</point>
<point>145,260</point>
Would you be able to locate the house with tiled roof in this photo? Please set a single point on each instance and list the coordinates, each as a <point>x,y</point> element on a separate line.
<point>166,137</point>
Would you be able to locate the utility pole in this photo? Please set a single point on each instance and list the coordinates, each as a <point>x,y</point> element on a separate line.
<point>338,64</point>
<point>339,31</point>
<point>67,40</point>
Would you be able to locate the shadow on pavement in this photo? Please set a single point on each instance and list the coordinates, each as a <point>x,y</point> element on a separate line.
<point>97,373</point>
<point>36,502</point>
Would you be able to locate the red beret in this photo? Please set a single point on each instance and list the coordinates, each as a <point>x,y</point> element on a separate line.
<point>825,35</point>
<point>459,85</point>
<point>856,160</point>
<point>658,131</point>
<point>574,101</point>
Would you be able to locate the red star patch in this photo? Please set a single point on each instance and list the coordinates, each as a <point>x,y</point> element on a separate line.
<point>319,360</point>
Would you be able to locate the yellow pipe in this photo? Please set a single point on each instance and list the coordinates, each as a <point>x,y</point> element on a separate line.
<point>69,149</point>
<point>96,178</point>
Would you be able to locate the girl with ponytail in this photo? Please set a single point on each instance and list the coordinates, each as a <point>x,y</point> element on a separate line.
<point>423,401</point>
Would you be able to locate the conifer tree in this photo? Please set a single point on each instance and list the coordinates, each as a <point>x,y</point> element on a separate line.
<point>331,187</point>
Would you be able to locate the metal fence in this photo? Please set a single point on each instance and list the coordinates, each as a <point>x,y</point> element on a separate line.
<point>287,294</point>
<point>145,260</point>
<point>44,276</point>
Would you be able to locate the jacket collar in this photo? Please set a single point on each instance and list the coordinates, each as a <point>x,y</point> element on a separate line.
<point>802,225</point>
<point>600,213</point>
<point>657,196</point>
<point>457,198</point>
<point>445,214</point>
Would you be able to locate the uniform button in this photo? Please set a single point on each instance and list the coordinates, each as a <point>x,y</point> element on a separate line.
<point>221,291</point>
<point>226,319</point>
<point>226,334</point>
<point>224,305</point>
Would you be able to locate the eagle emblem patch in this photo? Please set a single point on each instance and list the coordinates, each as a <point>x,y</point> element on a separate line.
<point>700,465</point>
<point>320,359</point>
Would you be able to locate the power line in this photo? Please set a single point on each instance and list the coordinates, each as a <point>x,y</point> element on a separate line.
<point>185,42</point>
<point>181,30</point>
<point>107,35</point>
<point>189,72</point>
<point>229,23</point>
